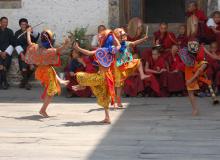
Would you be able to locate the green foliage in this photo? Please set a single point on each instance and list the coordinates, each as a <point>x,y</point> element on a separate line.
<point>79,35</point>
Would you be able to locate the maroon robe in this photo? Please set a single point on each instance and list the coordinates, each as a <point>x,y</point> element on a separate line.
<point>133,85</point>
<point>158,82</point>
<point>213,71</point>
<point>90,69</point>
<point>166,40</point>
<point>176,81</point>
<point>182,40</point>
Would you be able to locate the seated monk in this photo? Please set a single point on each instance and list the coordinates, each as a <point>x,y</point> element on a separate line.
<point>213,71</point>
<point>77,64</point>
<point>133,85</point>
<point>176,82</point>
<point>164,39</point>
<point>182,38</point>
<point>156,67</point>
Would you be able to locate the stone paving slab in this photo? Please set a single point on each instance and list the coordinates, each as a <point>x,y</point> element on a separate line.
<point>148,128</point>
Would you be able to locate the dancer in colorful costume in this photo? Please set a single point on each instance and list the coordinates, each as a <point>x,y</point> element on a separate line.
<point>45,58</point>
<point>101,83</point>
<point>194,58</point>
<point>125,64</point>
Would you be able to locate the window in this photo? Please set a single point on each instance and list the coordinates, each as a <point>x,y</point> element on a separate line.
<point>170,11</point>
<point>10,4</point>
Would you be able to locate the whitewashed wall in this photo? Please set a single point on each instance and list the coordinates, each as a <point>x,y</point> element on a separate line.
<point>60,15</point>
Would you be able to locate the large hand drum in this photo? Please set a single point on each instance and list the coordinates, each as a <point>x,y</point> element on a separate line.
<point>39,56</point>
<point>186,58</point>
<point>135,28</point>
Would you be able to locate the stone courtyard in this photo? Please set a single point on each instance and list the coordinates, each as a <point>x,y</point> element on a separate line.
<point>148,128</point>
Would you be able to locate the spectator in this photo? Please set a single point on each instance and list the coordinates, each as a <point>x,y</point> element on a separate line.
<point>95,42</point>
<point>182,37</point>
<point>175,76</point>
<point>20,47</point>
<point>6,50</point>
<point>77,64</point>
<point>164,38</point>
<point>156,67</point>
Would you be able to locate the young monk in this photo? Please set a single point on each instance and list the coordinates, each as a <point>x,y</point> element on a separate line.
<point>77,64</point>
<point>101,83</point>
<point>156,67</point>
<point>213,71</point>
<point>195,72</point>
<point>46,73</point>
<point>125,64</point>
<point>182,39</point>
<point>164,38</point>
<point>175,76</point>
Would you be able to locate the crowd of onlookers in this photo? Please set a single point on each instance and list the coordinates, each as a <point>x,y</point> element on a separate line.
<point>162,62</point>
<point>10,42</point>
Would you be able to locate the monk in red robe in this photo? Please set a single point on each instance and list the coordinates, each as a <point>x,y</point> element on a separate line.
<point>78,64</point>
<point>213,71</point>
<point>176,81</point>
<point>133,84</point>
<point>182,38</point>
<point>156,67</point>
<point>165,39</point>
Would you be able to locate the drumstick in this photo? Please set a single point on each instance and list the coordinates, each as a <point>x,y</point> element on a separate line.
<point>146,30</point>
<point>32,27</point>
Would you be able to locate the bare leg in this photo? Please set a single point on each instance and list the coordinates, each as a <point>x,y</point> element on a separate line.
<point>107,119</point>
<point>78,87</point>
<point>43,109</point>
<point>118,97</point>
<point>195,110</point>
<point>141,71</point>
<point>61,81</point>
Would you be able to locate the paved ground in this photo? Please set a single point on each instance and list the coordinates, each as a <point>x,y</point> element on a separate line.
<point>148,128</point>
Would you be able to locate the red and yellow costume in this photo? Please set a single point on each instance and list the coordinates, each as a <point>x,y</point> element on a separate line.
<point>45,72</point>
<point>101,83</point>
<point>191,70</point>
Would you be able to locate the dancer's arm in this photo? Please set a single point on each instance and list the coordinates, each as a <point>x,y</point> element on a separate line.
<point>63,46</point>
<point>84,51</point>
<point>29,30</point>
<point>117,43</point>
<point>137,42</point>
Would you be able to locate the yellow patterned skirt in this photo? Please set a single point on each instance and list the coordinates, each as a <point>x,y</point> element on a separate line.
<point>47,76</point>
<point>123,72</point>
<point>97,82</point>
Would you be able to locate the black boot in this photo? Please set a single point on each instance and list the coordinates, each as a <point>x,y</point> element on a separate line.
<point>28,85</point>
<point>24,79</point>
<point>4,80</point>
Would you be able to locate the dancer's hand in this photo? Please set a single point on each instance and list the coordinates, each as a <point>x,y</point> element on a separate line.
<point>145,37</point>
<point>29,30</point>
<point>76,46</point>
